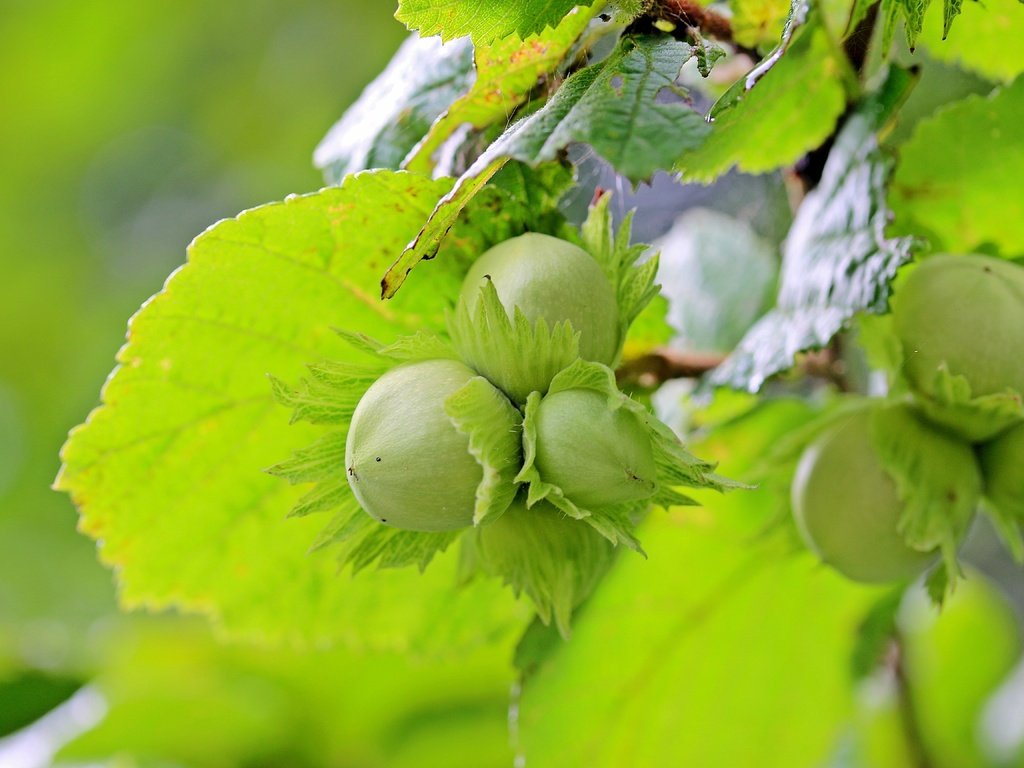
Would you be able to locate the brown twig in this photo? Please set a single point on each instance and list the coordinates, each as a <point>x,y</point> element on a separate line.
<point>664,364</point>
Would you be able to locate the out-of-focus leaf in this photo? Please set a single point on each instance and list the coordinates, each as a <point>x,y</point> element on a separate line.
<point>483,20</point>
<point>785,107</point>
<point>718,276</point>
<point>757,22</point>
<point>837,260</point>
<point>506,71</point>
<point>969,200</point>
<point>167,472</point>
<point>612,105</point>
<point>712,636</point>
<point>176,696</point>
<point>30,695</point>
<point>396,110</point>
<point>983,39</point>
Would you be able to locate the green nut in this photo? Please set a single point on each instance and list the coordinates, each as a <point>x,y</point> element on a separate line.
<point>847,507</point>
<point>597,455</point>
<point>407,464</point>
<point>553,280</point>
<point>965,313</point>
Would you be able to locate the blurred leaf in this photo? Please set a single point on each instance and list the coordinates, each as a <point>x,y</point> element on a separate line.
<point>785,107</point>
<point>29,696</point>
<point>591,106</point>
<point>482,20</point>
<point>506,71</point>
<point>756,22</point>
<point>983,39</point>
<point>177,696</point>
<point>396,110</point>
<point>167,473</point>
<point>969,201</point>
<point>694,664</point>
<point>837,260</point>
<point>701,257</point>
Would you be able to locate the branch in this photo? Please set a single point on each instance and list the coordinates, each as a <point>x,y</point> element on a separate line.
<point>664,364</point>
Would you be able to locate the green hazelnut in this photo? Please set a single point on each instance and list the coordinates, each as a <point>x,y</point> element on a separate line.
<point>965,313</point>
<point>554,280</point>
<point>407,464</point>
<point>597,455</point>
<point>847,507</point>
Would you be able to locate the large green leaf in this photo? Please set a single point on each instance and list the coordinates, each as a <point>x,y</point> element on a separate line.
<point>714,652</point>
<point>613,106</point>
<point>959,175</point>
<point>837,259</point>
<point>984,38</point>
<point>167,472</point>
<point>397,108</point>
<point>506,71</point>
<point>483,20</point>
<point>784,108</point>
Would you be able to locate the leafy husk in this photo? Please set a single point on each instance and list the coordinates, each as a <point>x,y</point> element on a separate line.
<point>547,555</point>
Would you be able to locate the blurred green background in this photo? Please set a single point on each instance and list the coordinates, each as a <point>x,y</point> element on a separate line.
<point>126,129</point>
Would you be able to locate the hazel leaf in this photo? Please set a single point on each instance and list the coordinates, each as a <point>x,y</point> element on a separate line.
<point>961,204</point>
<point>484,21</point>
<point>786,106</point>
<point>261,294</point>
<point>621,89</point>
<point>507,70</point>
<point>979,40</point>
<point>837,259</point>
<point>397,109</point>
